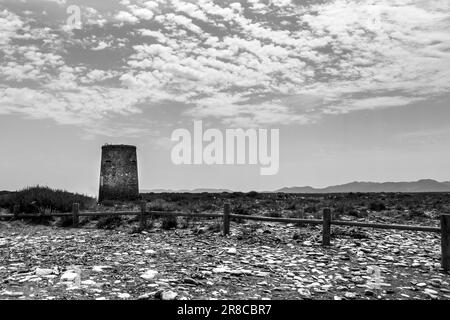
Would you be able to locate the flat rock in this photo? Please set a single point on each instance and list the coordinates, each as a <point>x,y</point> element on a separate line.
<point>149,274</point>
<point>69,276</point>
<point>43,272</point>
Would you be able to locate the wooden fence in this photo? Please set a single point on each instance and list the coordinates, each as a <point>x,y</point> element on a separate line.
<point>226,217</point>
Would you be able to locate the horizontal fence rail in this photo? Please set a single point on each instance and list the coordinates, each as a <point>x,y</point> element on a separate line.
<point>227,216</point>
<point>112,213</point>
<point>385,226</point>
<point>270,219</point>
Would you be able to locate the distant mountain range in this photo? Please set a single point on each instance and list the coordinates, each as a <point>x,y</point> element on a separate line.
<point>200,190</point>
<point>424,185</point>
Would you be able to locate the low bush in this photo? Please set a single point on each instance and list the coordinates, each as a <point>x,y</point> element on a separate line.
<point>215,227</point>
<point>169,222</point>
<point>161,205</point>
<point>275,214</point>
<point>243,210</point>
<point>310,209</point>
<point>377,206</point>
<point>39,199</point>
<point>253,194</point>
<point>65,222</point>
<point>293,205</point>
<point>183,222</point>
<point>149,224</point>
<point>416,213</point>
<point>109,222</point>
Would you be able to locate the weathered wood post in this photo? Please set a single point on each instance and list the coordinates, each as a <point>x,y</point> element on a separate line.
<point>445,241</point>
<point>301,216</point>
<point>226,218</point>
<point>16,211</point>
<point>142,220</point>
<point>75,214</point>
<point>326,230</point>
<point>115,214</point>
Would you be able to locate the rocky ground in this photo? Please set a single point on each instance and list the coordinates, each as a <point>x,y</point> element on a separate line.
<point>257,261</point>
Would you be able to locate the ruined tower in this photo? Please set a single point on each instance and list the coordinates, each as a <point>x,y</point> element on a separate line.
<point>118,173</point>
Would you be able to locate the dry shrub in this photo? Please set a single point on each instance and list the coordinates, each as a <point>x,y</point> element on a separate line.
<point>109,222</point>
<point>169,222</point>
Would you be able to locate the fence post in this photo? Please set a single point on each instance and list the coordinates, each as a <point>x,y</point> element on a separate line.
<point>301,216</point>
<point>75,216</point>
<point>16,211</point>
<point>445,241</point>
<point>142,220</point>
<point>226,219</point>
<point>326,230</point>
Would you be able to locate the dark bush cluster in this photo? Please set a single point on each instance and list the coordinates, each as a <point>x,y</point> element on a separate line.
<point>377,206</point>
<point>253,194</point>
<point>109,222</point>
<point>275,214</point>
<point>38,199</point>
<point>169,222</point>
<point>161,205</point>
<point>243,210</point>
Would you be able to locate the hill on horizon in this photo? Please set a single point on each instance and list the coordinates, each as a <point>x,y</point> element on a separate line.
<point>423,185</point>
<point>198,190</point>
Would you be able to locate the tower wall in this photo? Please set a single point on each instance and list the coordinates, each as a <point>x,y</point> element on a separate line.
<point>118,173</point>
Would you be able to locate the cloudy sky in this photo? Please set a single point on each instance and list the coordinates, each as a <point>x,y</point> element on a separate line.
<point>359,89</point>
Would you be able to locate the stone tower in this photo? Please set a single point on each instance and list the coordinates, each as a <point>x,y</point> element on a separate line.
<point>118,173</point>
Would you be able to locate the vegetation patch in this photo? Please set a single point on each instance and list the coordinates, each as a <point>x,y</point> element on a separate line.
<point>40,199</point>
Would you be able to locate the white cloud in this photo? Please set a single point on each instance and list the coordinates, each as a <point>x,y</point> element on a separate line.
<point>229,62</point>
<point>189,9</point>
<point>371,104</point>
<point>125,16</point>
<point>155,34</point>
<point>142,13</point>
<point>9,25</point>
<point>101,45</point>
<point>59,2</point>
<point>19,72</point>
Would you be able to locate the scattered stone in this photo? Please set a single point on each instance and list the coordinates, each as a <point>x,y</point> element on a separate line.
<point>304,293</point>
<point>191,281</point>
<point>430,291</point>
<point>100,268</point>
<point>43,272</point>
<point>11,293</point>
<point>149,274</point>
<point>350,295</point>
<point>208,266</point>
<point>166,295</point>
<point>69,276</point>
<point>145,296</point>
<point>421,284</point>
<point>369,293</point>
